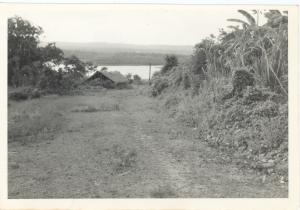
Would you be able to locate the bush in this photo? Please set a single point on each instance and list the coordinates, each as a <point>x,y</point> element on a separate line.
<point>158,86</point>
<point>137,79</point>
<point>170,62</point>
<point>241,79</point>
<point>57,82</point>
<point>24,94</point>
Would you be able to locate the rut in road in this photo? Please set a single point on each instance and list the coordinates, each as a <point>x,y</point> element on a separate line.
<point>170,174</point>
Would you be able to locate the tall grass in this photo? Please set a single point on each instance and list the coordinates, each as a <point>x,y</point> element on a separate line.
<point>33,121</point>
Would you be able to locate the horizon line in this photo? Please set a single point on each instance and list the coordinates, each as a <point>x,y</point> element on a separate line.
<point>122,43</point>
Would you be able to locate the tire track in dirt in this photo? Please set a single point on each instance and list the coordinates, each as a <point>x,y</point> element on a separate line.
<point>169,179</point>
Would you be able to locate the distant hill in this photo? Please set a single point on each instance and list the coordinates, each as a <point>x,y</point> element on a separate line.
<point>124,54</point>
<point>118,47</point>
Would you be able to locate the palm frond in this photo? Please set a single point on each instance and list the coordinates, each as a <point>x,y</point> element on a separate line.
<point>239,21</point>
<point>277,12</point>
<point>249,17</point>
<point>233,27</point>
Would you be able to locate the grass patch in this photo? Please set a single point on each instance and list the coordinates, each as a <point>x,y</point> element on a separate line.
<point>163,192</point>
<point>33,121</point>
<point>101,108</point>
<point>124,159</point>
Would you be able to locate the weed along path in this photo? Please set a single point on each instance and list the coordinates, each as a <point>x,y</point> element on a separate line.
<point>119,144</point>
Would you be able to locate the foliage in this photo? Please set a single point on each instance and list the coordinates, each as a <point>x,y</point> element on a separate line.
<point>75,66</point>
<point>129,77</point>
<point>24,93</point>
<point>158,85</point>
<point>57,82</point>
<point>104,68</point>
<point>263,50</point>
<point>234,92</point>
<point>137,79</point>
<point>51,53</point>
<point>170,62</point>
<point>23,39</point>
<point>250,19</point>
<point>32,65</point>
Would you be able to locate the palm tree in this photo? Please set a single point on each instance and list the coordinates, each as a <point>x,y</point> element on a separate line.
<point>250,19</point>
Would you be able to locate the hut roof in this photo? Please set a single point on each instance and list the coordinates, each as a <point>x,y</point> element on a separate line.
<point>114,76</point>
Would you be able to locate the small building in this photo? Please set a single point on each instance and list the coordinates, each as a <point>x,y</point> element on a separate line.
<point>109,79</point>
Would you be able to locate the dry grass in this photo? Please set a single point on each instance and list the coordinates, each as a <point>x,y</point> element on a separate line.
<point>33,121</point>
<point>100,108</point>
<point>123,159</point>
<point>164,192</point>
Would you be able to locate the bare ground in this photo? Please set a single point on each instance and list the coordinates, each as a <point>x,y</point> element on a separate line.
<point>119,144</point>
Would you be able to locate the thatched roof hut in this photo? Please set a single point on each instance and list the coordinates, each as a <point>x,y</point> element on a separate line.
<point>115,77</point>
<point>108,79</point>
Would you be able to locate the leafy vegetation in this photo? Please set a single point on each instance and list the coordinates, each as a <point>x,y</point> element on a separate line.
<point>34,66</point>
<point>234,91</point>
<point>171,61</point>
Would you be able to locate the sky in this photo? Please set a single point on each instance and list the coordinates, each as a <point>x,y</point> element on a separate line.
<point>132,24</point>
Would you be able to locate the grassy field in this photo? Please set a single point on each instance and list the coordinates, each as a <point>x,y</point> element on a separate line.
<point>118,144</point>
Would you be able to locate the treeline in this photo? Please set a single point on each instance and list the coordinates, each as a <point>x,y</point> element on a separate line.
<point>45,68</point>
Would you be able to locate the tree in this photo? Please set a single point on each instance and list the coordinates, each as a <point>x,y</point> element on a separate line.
<point>75,66</point>
<point>170,62</point>
<point>51,53</point>
<point>262,50</point>
<point>104,68</point>
<point>137,79</point>
<point>23,39</point>
<point>250,19</point>
<point>129,76</point>
<point>202,52</point>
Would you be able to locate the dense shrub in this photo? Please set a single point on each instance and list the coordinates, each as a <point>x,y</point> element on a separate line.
<point>56,82</point>
<point>24,93</point>
<point>170,62</point>
<point>258,128</point>
<point>158,86</point>
<point>137,79</point>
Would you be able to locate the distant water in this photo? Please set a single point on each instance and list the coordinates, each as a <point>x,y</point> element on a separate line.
<point>142,71</point>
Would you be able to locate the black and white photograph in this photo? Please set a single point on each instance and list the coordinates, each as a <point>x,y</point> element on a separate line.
<point>147,101</point>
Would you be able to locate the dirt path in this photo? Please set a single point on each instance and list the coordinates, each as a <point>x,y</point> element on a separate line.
<point>118,144</point>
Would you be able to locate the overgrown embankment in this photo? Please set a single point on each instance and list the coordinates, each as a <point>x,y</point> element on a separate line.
<point>234,93</point>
